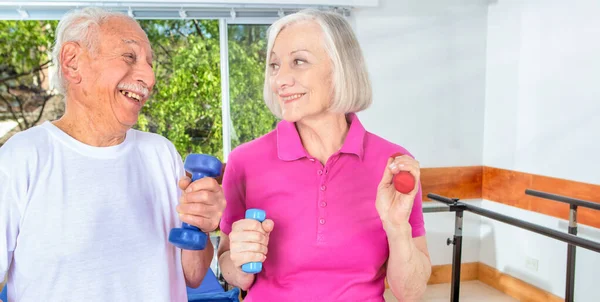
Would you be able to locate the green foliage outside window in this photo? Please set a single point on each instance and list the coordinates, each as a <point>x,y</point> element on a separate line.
<point>186,103</point>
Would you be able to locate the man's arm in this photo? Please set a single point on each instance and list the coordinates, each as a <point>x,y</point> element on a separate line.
<point>201,205</point>
<point>409,265</point>
<point>196,264</point>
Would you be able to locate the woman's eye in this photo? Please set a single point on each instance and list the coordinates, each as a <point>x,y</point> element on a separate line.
<point>274,66</point>
<point>299,62</point>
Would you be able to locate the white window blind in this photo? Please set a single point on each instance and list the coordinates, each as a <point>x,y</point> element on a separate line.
<point>236,11</point>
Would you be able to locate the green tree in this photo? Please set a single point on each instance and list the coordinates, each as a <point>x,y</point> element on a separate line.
<point>186,105</point>
<point>24,60</point>
<point>247,54</point>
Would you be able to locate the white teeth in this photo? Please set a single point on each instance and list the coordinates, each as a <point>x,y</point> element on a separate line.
<point>292,97</point>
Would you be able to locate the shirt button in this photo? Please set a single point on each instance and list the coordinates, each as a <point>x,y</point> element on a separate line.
<point>312,159</point>
<point>323,188</point>
<point>323,204</point>
<point>322,221</point>
<point>320,172</point>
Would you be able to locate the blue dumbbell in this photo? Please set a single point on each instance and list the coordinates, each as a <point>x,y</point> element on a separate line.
<point>189,237</point>
<point>260,215</point>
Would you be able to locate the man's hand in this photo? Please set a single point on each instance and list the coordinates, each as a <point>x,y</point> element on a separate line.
<point>202,203</point>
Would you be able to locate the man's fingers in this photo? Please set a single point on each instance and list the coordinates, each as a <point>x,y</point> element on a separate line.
<point>206,183</point>
<point>184,182</point>
<point>198,209</point>
<point>203,223</point>
<point>204,197</point>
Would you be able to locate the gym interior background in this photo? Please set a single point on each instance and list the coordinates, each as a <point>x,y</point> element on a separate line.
<point>491,96</point>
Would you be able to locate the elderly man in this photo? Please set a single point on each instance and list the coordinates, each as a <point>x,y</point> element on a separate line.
<point>86,202</point>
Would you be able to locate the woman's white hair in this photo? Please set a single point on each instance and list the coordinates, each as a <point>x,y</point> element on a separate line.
<point>81,26</point>
<point>352,90</point>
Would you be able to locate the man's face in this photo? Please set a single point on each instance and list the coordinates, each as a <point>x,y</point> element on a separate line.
<point>117,75</point>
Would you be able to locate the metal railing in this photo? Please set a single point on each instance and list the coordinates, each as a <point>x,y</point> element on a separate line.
<point>454,205</point>
<point>571,249</point>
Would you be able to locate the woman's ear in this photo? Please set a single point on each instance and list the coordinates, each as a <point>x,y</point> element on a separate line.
<point>69,62</point>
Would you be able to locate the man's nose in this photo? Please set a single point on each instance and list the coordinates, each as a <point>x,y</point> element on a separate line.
<point>145,75</point>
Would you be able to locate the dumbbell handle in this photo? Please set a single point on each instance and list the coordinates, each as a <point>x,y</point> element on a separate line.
<point>195,176</point>
<point>194,239</point>
<point>259,215</point>
<point>190,237</point>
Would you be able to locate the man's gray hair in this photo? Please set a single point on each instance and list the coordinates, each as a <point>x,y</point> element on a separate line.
<point>352,90</point>
<point>81,26</point>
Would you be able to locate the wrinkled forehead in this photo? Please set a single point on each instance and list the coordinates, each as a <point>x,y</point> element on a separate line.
<point>126,32</point>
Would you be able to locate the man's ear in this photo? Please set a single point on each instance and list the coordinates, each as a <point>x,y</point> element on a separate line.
<point>69,62</point>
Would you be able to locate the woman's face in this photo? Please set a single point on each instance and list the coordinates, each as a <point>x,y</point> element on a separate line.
<point>300,71</point>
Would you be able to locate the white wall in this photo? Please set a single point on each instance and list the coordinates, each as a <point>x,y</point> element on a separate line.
<point>541,110</point>
<point>440,226</point>
<point>542,88</point>
<point>510,84</point>
<point>427,65</point>
<point>508,248</point>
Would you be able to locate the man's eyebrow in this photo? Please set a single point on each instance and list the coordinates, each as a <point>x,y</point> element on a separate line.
<point>130,41</point>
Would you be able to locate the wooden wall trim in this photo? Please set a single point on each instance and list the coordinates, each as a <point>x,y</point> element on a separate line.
<point>457,182</point>
<point>505,283</point>
<point>443,273</point>
<point>514,287</point>
<point>508,187</point>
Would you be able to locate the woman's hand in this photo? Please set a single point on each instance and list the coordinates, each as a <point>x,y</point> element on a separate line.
<point>249,239</point>
<point>394,208</point>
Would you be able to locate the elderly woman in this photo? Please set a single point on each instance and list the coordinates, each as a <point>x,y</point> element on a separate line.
<point>336,227</point>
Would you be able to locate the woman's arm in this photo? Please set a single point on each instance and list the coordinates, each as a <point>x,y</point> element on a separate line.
<point>409,265</point>
<point>231,273</point>
<point>247,242</point>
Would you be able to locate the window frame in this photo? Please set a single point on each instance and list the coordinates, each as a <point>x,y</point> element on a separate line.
<point>156,10</point>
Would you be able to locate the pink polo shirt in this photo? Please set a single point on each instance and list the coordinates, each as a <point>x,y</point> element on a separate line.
<point>328,243</point>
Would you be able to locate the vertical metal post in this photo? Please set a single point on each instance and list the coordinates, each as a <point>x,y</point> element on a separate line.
<point>456,255</point>
<point>225,116</point>
<point>570,286</point>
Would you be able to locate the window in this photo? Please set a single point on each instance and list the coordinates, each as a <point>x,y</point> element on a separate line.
<point>186,106</point>
<point>209,68</point>
<point>250,117</point>
<point>24,61</point>
<point>186,103</point>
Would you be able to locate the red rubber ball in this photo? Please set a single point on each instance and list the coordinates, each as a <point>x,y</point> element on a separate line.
<point>404,182</point>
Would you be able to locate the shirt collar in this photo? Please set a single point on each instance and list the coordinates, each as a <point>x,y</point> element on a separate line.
<point>289,145</point>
